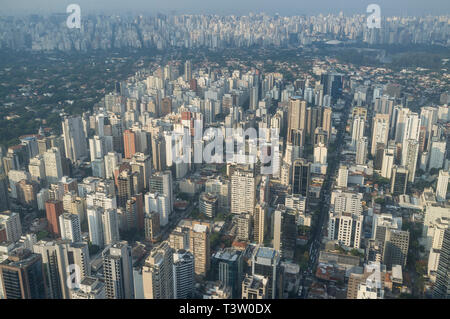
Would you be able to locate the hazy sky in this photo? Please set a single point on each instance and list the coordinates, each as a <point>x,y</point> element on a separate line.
<point>237,7</point>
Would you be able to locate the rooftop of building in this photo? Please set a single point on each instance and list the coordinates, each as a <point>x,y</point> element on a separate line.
<point>88,281</point>
<point>397,274</point>
<point>255,281</point>
<point>266,252</point>
<point>20,258</point>
<point>208,197</point>
<point>200,228</point>
<point>228,254</point>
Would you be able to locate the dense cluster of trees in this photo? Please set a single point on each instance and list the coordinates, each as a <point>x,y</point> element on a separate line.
<point>81,78</point>
<point>419,59</point>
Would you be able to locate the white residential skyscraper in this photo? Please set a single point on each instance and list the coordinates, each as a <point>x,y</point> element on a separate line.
<point>411,132</point>
<point>388,162</point>
<point>155,202</point>
<point>437,154</point>
<point>103,226</point>
<point>112,162</point>
<point>410,156</point>
<point>400,114</point>
<point>94,216</point>
<point>442,185</point>
<point>69,225</point>
<point>412,127</point>
<point>346,202</point>
<point>243,190</point>
<point>74,138</point>
<point>361,151</point>
<point>345,228</point>
<point>320,154</point>
<point>357,129</point>
<point>10,222</point>
<point>37,168</point>
<point>342,179</point>
<point>162,183</point>
<point>53,166</point>
<point>428,117</point>
<point>380,132</point>
<point>110,221</point>
<point>96,147</point>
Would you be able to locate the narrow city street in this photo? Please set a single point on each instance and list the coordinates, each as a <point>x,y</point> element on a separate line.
<point>318,230</point>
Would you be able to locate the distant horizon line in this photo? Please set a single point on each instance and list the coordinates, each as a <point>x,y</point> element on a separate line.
<point>174,13</point>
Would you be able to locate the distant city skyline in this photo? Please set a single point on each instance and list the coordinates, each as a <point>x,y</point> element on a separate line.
<point>230,7</point>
